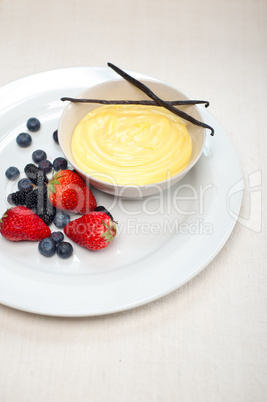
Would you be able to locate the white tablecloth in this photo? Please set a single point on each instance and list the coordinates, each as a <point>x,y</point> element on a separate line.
<point>207,340</point>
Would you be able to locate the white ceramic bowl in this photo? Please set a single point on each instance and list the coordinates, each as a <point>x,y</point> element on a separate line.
<point>121,89</point>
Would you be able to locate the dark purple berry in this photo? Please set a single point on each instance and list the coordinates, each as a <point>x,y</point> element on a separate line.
<point>64,249</point>
<point>45,165</point>
<point>24,184</point>
<point>37,201</point>
<point>19,197</point>
<point>33,124</point>
<point>60,163</point>
<point>36,175</point>
<point>12,173</point>
<point>55,136</point>
<point>57,236</point>
<point>24,140</point>
<point>47,247</point>
<point>47,216</point>
<point>31,199</point>
<point>61,219</point>
<point>38,156</point>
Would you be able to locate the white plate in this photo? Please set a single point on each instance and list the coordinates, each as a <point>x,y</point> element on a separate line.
<point>163,241</point>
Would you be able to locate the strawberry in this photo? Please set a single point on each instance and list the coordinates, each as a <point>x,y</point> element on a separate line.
<point>68,191</point>
<point>21,223</point>
<point>94,230</point>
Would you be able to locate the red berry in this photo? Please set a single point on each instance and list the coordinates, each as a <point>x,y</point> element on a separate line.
<point>21,223</point>
<point>94,230</point>
<point>68,191</point>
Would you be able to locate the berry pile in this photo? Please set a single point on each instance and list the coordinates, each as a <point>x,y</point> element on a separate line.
<point>55,244</point>
<point>35,199</point>
<point>38,202</point>
<point>32,193</point>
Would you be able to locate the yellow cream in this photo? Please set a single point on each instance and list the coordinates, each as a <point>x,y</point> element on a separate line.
<point>131,144</point>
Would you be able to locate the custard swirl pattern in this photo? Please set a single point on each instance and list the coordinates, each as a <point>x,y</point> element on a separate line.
<point>131,144</point>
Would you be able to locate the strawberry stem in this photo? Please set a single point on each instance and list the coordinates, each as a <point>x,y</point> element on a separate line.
<point>110,233</point>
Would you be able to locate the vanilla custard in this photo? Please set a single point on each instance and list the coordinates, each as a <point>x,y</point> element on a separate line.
<point>131,144</point>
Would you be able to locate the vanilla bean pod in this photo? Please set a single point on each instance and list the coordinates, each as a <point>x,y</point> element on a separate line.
<point>133,102</point>
<point>158,100</point>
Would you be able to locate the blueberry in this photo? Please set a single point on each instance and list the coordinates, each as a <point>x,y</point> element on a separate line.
<point>12,173</point>
<point>64,249</point>
<point>38,156</point>
<point>57,236</point>
<point>60,163</point>
<point>45,165</point>
<point>47,247</point>
<point>55,136</point>
<point>24,140</point>
<point>24,184</point>
<point>61,219</point>
<point>33,124</point>
<point>9,199</point>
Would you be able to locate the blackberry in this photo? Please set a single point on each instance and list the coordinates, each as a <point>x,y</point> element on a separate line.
<point>19,197</point>
<point>46,208</point>
<point>47,212</point>
<point>31,199</point>
<point>103,209</point>
<point>38,202</point>
<point>48,215</point>
<point>36,175</point>
<point>37,199</point>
